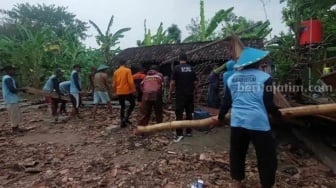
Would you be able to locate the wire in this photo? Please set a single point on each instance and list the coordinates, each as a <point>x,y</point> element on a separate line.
<point>265,12</point>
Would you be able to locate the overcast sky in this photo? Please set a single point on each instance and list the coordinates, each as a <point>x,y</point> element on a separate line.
<point>132,13</point>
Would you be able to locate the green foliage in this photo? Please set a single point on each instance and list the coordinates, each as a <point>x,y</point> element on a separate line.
<point>205,30</point>
<point>28,54</point>
<point>283,54</point>
<point>169,36</point>
<point>174,33</point>
<point>38,43</point>
<point>35,17</point>
<point>220,17</point>
<point>202,22</point>
<point>109,40</point>
<point>246,28</point>
<point>289,52</point>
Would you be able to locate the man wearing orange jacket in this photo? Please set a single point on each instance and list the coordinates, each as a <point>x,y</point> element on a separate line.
<point>124,88</point>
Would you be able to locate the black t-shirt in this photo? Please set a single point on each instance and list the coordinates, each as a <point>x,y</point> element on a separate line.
<point>184,76</point>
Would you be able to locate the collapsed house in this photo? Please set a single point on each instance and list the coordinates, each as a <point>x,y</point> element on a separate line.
<point>202,55</point>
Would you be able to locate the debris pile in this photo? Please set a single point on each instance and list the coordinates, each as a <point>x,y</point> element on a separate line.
<point>84,153</point>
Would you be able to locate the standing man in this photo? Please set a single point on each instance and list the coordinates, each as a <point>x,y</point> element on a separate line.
<point>50,86</point>
<point>75,88</point>
<point>151,87</point>
<point>101,94</point>
<point>184,81</point>
<point>214,82</point>
<point>11,98</point>
<point>91,78</point>
<point>123,86</point>
<point>137,78</point>
<point>249,92</point>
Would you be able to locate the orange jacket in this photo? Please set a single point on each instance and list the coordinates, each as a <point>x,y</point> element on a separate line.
<point>122,81</point>
<point>139,76</point>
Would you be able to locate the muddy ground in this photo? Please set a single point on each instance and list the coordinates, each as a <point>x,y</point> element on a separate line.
<point>87,153</point>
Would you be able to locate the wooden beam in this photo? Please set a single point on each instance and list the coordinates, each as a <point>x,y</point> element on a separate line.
<point>39,92</point>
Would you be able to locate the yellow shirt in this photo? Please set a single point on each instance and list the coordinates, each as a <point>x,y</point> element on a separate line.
<point>122,82</point>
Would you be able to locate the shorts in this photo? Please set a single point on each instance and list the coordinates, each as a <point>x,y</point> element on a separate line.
<point>101,97</point>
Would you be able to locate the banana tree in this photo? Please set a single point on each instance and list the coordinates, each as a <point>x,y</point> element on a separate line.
<point>28,54</point>
<point>205,30</point>
<point>109,40</point>
<point>246,28</point>
<point>168,36</point>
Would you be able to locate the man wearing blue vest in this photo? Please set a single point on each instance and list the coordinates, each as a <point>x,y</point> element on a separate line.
<point>11,98</point>
<point>50,86</point>
<point>65,90</point>
<point>75,88</point>
<point>249,94</point>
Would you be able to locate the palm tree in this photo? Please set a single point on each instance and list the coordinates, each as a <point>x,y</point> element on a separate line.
<point>109,40</point>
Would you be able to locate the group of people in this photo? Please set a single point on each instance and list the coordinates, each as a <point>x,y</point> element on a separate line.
<point>71,87</point>
<point>249,106</point>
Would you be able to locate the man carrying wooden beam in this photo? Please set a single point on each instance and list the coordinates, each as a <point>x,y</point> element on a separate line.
<point>50,86</point>
<point>11,98</point>
<point>75,89</point>
<point>250,95</point>
<point>124,88</point>
<point>65,90</point>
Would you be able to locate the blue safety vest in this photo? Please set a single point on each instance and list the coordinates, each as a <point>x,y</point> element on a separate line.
<point>8,96</point>
<point>73,88</point>
<point>248,109</point>
<point>65,87</point>
<point>49,85</point>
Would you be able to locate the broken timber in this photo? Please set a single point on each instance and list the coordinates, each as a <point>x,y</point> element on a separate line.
<point>289,112</point>
<point>39,92</point>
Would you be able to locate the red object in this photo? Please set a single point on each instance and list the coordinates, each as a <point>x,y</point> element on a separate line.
<point>311,33</point>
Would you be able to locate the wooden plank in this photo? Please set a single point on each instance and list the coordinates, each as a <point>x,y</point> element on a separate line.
<point>39,92</point>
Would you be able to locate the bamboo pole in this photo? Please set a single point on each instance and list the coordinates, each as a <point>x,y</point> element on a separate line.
<point>285,112</point>
<point>39,92</point>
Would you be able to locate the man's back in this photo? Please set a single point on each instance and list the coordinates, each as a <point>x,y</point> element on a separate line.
<point>184,76</point>
<point>152,85</point>
<point>65,87</point>
<point>123,83</point>
<point>9,96</point>
<point>100,81</point>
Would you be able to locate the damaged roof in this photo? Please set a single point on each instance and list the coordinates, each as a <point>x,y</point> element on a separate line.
<point>215,51</point>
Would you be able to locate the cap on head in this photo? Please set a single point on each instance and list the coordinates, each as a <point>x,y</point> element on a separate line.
<point>250,56</point>
<point>102,67</point>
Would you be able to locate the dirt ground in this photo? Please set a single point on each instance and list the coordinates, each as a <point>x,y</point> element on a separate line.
<point>87,153</point>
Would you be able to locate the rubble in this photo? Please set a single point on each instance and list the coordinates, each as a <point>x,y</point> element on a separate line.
<point>100,154</point>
